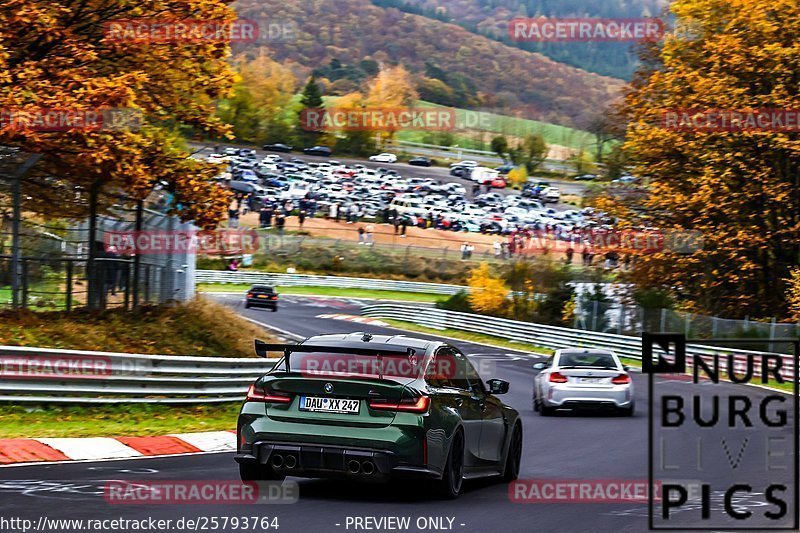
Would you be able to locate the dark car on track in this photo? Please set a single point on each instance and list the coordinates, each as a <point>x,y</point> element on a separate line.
<point>420,162</point>
<point>323,151</point>
<point>262,296</point>
<point>377,408</point>
<point>278,147</point>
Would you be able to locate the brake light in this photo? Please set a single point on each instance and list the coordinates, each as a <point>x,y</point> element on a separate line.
<point>556,377</point>
<point>275,297</point>
<point>249,294</point>
<point>407,405</point>
<point>622,379</point>
<point>259,395</point>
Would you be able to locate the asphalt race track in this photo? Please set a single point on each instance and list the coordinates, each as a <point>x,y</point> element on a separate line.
<point>567,446</point>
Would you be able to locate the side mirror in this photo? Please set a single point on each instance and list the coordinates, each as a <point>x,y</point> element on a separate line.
<point>497,386</point>
<point>539,366</point>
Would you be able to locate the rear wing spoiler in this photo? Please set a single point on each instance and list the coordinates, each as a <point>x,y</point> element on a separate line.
<point>355,348</point>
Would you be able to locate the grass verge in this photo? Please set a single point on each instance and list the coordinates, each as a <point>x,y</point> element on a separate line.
<point>200,327</point>
<point>18,421</point>
<point>331,291</point>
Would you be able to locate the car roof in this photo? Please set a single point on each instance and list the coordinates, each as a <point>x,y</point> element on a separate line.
<point>358,336</point>
<point>262,288</point>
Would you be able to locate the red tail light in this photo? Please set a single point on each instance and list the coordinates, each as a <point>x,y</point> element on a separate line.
<point>249,294</point>
<point>555,377</point>
<point>622,379</point>
<point>260,395</point>
<point>275,297</point>
<point>408,405</point>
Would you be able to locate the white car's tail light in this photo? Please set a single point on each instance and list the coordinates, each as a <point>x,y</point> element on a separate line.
<point>622,379</point>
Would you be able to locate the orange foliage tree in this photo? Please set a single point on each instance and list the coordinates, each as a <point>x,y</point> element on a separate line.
<point>741,189</point>
<point>58,54</point>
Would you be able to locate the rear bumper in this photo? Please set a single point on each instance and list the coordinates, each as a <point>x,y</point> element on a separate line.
<point>314,460</point>
<point>614,397</point>
<point>261,302</point>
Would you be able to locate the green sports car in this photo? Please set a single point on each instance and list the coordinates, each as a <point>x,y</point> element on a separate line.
<point>376,408</point>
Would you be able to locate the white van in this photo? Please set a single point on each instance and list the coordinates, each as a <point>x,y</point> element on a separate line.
<point>408,206</point>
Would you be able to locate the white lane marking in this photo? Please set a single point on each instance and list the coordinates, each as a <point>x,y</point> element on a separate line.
<point>210,441</point>
<point>91,448</point>
<point>276,329</point>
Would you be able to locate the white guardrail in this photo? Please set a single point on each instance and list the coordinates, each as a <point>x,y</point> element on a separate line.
<point>552,337</point>
<point>70,376</point>
<point>289,280</point>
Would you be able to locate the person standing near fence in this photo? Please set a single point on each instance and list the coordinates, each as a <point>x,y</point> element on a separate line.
<point>403,226</point>
<point>301,218</point>
<point>334,212</point>
<point>280,222</point>
<point>369,231</point>
<point>361,235</point>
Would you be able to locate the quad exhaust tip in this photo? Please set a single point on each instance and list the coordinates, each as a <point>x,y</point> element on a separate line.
<point>354,467</point>
<point>277,460</point>
<point>368,467</point>
<point>291,461</point>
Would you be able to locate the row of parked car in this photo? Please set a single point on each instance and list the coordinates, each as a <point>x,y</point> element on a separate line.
<point>379,192</point>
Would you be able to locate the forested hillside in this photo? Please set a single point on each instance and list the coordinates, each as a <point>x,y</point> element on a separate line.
<point>346,40</point>
<point>490,18</point>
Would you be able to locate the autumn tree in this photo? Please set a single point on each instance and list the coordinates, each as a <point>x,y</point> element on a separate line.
<point>262,91</point>
<point>499,145</point>
<point>355,141</point>
<point>59,54</point>
<point>488,292</point>
<point>533,150</point>
<point>392,88</point>
<point>740,189</point>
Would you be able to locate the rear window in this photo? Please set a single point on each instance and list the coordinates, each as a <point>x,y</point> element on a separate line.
<point>263,289</point>
<point>590,359</point>
<point>356,366</point>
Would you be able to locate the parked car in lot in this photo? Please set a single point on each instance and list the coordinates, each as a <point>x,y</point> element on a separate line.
<point>460,172</point>
<point>262,296</point>
<point>585,177</point>
<point>323,151</point>
<point>420,162</point>
<point>466,163</point>
<point>278,147</point>
<point>409,408</point>
<point>384,158</point>
<point>550,194</point>
<point>574,378</point>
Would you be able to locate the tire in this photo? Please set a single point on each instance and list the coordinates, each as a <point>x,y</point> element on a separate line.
<point>514,455</point>
<point>449,487</point>
<point>275,309</point>
<point>627,411</point>
<point>256,472</point>
<point>247,306</point>
<point>546,411</point>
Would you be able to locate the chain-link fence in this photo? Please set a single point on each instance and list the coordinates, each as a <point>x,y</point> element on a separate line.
<point>54,262</point>
<point>616,317</point>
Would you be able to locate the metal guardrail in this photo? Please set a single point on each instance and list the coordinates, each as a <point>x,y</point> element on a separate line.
<point>552,337</point>
<point>71,376</point>
<point>289,280</point>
